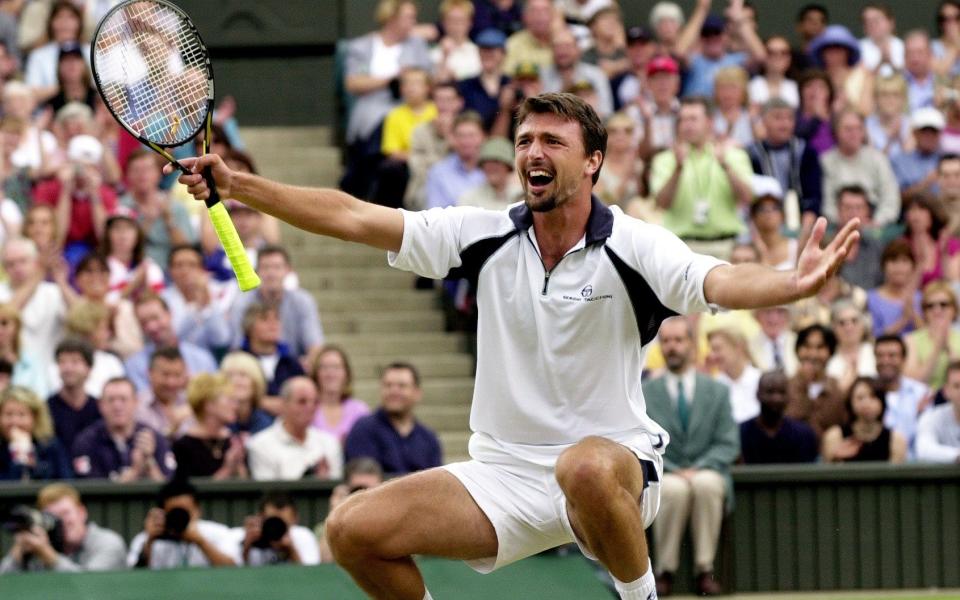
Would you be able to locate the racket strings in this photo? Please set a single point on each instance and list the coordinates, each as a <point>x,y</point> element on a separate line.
<point>153,72</point>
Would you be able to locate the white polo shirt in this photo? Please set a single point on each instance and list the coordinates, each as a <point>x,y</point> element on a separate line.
<point>559,354</point>
<point>274,454</point>
<point>169,554</point>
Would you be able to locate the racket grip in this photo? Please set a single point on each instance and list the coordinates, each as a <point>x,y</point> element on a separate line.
<point>247,278</point>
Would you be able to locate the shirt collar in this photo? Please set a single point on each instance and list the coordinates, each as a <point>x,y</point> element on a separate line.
<point>599,223</point>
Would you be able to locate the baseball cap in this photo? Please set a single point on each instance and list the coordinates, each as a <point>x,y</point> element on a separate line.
<point>638,34</point>
<point>491,38</point>
<point>927,118</point>
<point>713,25</point>
<point>766,187</point>
<point>85,149</point>
<point>527,70</point>
<point>662,64</point>
<point>497,149</point>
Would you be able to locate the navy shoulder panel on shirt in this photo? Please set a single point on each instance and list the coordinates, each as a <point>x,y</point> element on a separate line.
<point>647,308</point>
<point>474,256</point>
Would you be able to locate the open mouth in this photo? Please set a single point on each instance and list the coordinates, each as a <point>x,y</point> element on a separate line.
<point>539,179</point>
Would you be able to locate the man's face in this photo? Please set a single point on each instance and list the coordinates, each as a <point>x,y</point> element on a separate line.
<point>143,175</point>
<point>154,320</point>
<point>773,321</point>
<point>876,25</point>
<point>693,124</point>
<point>812,24</point>
<point>850,133</point>
<point>398,392</point>
<point>183,267</point>
<point>676,345</point>
<point>928,140</point>
<point>772,392</point>
<point>267,328</point>
<point>949,178</point>
<point>852,206</point>
<point>813,355</point>
<point>448,101</point>
<point>73,515</point>
<point>497,173</point>
<point>779,124</point>
<point>565,51</point>
<point>537,17</point>
<point>889,359</point>
<point>467,140</point>
<point>168,378</point>
<point>491,59</point>
<point>714,46</point>
<point>639,53</point>
<point>917,56</point>
<point>414,87</point>
<point>118,405</point>
<point>951,389</point>
<point>94,280</point>
<point>19,264</point>
<point>272,268</point>
<point>722,352</point>
<point>551,161</point>
<point>300,405</point>
<point>73,369</point>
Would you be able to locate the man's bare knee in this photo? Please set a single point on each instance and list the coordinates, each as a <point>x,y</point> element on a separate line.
<point>349,534</point>
<point>587,471</point>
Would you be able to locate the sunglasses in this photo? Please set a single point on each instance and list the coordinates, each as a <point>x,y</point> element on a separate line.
<point>941,304</point>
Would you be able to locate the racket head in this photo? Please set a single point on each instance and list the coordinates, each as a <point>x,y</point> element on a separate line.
<point>153,71</point>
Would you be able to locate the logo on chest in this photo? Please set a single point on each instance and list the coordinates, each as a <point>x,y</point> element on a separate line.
<point>587,295</point>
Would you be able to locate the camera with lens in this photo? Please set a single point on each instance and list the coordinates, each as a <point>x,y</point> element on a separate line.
<point>272,530</point>
<point>24,518</point>
<point>175,523</point>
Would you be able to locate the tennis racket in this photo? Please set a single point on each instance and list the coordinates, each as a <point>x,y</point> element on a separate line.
<point>154,75</point>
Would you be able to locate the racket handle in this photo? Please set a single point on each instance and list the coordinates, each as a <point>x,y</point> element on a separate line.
<point>247,278</point>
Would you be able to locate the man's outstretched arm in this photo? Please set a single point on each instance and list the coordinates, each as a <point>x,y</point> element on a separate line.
<point>752,285</point>
<point>324,211</point>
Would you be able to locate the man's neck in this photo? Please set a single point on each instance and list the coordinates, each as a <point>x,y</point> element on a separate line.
<point>403,423</point>
<point>271,295</point>
<point>560,229</point>
<point>124,432</point>
<point>263,348</point>
<point>297,433</point>
<point>680,372</point>
<point>893,385</point>
<point>74,396</point>
<point>770,424</point>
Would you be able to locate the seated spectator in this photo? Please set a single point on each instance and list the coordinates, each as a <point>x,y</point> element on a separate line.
<point>700,184</point>
<point>864,437</point>
<point>695,412</point>
<point>301,329</point>
<point>814,397</point>
<point>945,48</point>
<point>209,448</point>
<point>189,542</point>
<point>918,69</point>
<point>132,272</point>
<point>631,84</point>
<point>916,170</point>
<point>532,43</point>
<point>459,172</point>
<point>93,282</point>
<point>359,474</point>
<point>568,70</point>
<point>938,430</point>
<point>948,180</point>
<point>27,370</point>
<point>931,347</point>
<point>772,348</point>
<point>28,448</point>
<point>86,545</point>
<point>273,535</point>
<point>657,115</point>
<point>936,250</point>
<point>888,127</point>
<point>74,83</point>
<point>731,358</point>
<point>163,404</point>
<point>90,322</point>
<point>255,411</point>
<point>621,177</point>
<point>837,52</point>
<point>482,92</point>
<point>525,84</point>
<point>771,437</point>
<point>895,304</point>
<point>64,28</point>
<point>156,323</point>
<point>666,21</point>
<point>609,51</point>
<point>40,227</point>
<point>455,57</point>
<point>119,447</point>
<point>814,119</point>
<point>731,120</point>
<point>774,83</point>
<point>81,198</point>
<point>502,186</point>
<point>854,355</point>
<point>165,223</point>
<point>71,408</point>
<point>430,143</point>
<point>861,267</point>
<point>766,219</point>
<point>199,306</point>
<point>501,15</point>
<point>392,435</point>
<point>34,149</point>
<point>292,448</point>
<point>262,330</point>
<point>880,46</point>
<point>337,409</point>
<point>906,398</point>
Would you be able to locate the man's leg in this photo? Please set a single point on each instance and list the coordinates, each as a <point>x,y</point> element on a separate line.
<point>675,500</point>
<point>373,534</point>
<point>705,522</point>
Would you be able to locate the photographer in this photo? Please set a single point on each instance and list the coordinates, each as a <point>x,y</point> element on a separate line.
<point>68,543</point>
<point>272,536</point>
<point>174,536</point>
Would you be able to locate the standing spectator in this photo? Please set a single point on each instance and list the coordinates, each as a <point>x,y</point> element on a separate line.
<point>888,126</point>
<point>430,142</point>
<point>701,184</point>
<point>131,271</point>
<point>854,355</point>
<point>155,321</point>
<point>71,408</point>
<point>918,63</point>
<point>502,186</point>
<point>201,543</point>
<point>90,322</point>
<point>774,82</point>
<point>455,57</point>
<point>119,447</point>
<point>262,339</point>
<point>93,282</point>
<point>931,348</point>
<point>28,448</point>
<point>658,116</point>
<point>297,545</point>
<point>27,370</point>
<point>916,170</point>
<point>337,409</point>
<point>879,46</point>
<point>731,119</point>
<point>630,85</point>
<point>936,250</point>
<point>567,71</point>
<point>459,172</point>
<point>392,435</point>
<point>199,307</point>
<point>40,227</point>
<point>482,92</point>
<point>811,20</point>
<point>814,117</point>
<point>946,48</point>
<point>86,545</point>
<point>666,21</point>
<point>532,43</point>
<point>209,448</point>
<point>731,357</point>
<point>610,42</point>
<point>292,448</point>
<point>695,412</point>
<point>163,405</point>
<point>64,28</point>
<point>773,348</point>
<point>814,396</point>
<point>301,329</point>
<point>864,437</point>
<point>854,163</point>
<point>771,437</point>
<point>894,305</point>
<point>40,304</point>
<point>906,398</point>
<point>502,15</point>
<point>862,266</point>
<point>837,52</point>
<point>766,221</point>
<point>938,431</point>
<point>255,412</point>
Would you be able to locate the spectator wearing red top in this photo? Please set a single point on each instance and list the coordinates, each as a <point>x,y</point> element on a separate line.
<point>80,198</point>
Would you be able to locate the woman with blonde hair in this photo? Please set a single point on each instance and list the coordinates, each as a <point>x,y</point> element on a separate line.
<point>888,127</point>
<point>337,409</point>
<point>931,347</point>
<point>28,448</point>
<point>731,119</point>
<point>455,57</point>
<point>619,180</point>
<point>854,356</point>
<point>27,369</point>
<point>255,410</point>
<point>209,448</point>
<point>730,355</point>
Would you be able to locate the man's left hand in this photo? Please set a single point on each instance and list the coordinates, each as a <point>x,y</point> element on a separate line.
<point>817,265</point>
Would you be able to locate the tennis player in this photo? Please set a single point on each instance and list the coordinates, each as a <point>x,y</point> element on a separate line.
<point>570,293</point>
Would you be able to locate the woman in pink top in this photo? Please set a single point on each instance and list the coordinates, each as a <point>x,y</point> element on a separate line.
<point>337,410</point>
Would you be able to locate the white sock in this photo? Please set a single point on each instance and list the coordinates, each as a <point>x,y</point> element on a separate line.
<point>644,588</point>
<point>426,594</point>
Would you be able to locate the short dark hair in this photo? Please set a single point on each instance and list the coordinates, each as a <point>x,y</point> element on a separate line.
<point>147,298</point>
<point>875,388</point>
<point>572,108</point>
<point>891,338</point>
<point>934,206</point>
<point>277,499</point>
<point>468,116</point>
<point>898,248</point>
<point>121,379</point>
<point>138,154</point>
<point>271,249</point>
<point>177,486</point>
<point>400,365</point>
<point>76,346</point>
<point>854,190</point>
<point>813,7</point>
<point>829,337</point>
<point>947,157</point>
<point>446,85</point>
<point>698,101</point>
<point>167,353</point>
<point>90,260</point>
<point>255,311</point>
<point>817,75</point>
<point>185,247</point>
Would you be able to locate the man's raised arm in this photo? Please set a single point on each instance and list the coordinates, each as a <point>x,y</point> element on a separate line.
<point>327,212</point>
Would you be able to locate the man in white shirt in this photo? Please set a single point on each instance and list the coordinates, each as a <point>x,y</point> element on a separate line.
<point>292,448</point>
<point>272,536</point>
<point>906,398</point>
<point>174,535</point>
<point>938,431</point>
<point>571,293</point>
<point>773,347</point>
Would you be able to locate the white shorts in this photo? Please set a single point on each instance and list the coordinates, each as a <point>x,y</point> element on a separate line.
<point>528,510</point>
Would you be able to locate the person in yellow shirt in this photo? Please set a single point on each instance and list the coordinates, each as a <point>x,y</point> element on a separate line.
<point>533,43</point>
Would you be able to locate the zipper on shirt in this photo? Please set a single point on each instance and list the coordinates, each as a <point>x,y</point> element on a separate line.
<point>546,273</point>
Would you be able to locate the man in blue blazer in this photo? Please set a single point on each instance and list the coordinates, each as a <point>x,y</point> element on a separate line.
<point>704,441</point>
